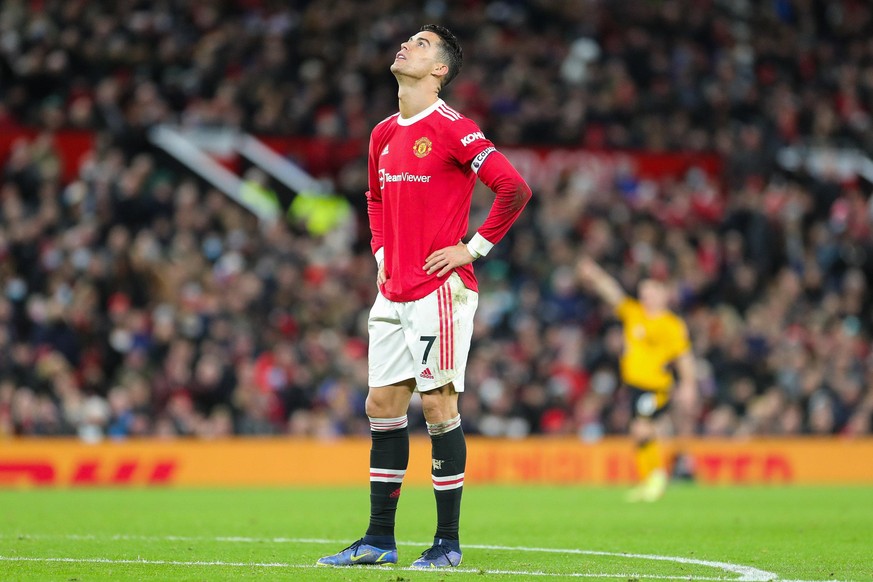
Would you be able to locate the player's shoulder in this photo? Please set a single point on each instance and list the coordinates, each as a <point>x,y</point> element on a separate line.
<point>674,322</point>
<point>449,113</point>
<point>385,123</point>
<point>628,310</point>
<point>464,131</point>
<point>677,320</point>
<point>453,120</point>
<point>629,303</point>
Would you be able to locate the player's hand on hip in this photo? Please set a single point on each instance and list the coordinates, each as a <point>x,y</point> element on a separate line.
<point>381,277</point>
<point>442,261</point>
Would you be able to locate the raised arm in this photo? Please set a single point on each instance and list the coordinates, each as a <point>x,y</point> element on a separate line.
<point>601,282</point>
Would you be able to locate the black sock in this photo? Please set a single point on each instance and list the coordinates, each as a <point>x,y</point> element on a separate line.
<point>449,452</point>
<point>389,457</point>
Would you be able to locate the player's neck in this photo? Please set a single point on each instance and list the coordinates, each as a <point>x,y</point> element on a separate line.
<point>413,99</point>
<point>654,311</point>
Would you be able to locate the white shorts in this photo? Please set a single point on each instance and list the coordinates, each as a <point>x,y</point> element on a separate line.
<point>427,339</point>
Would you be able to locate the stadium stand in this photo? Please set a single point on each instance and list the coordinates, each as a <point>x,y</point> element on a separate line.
<point>137,300</point>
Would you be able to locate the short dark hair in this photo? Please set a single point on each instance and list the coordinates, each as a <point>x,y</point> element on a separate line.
<point>450,50</point>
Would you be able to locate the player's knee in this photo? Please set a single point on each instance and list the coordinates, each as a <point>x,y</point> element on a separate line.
<point>432,411</point>
<point>372,408</point>
<point>383,405</point>
<point>642,429</point>
<point>439,405</point>
<point>389,401</point>
<point>376,407</point>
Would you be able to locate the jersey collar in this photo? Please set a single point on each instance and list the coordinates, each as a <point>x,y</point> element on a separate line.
<point>419,116</point>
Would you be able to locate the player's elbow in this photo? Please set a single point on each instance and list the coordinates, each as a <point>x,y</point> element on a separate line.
<point>528,193</point>
<point>522,194</point>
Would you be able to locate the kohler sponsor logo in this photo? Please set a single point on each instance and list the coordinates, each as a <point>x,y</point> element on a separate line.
<point>471,137</point>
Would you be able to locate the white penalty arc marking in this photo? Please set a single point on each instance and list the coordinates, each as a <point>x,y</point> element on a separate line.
<point>745,573</point>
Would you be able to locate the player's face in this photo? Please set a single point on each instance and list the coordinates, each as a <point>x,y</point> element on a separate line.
<point>418,56</point>
<point>653,295</point>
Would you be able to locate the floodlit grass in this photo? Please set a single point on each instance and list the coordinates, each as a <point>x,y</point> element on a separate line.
<point>508,533</point>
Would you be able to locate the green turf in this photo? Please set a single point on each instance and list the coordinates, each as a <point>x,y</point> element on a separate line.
<point>792,533</point>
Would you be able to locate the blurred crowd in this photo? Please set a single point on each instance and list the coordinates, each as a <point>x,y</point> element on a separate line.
<point>138,301</point>
<point>661,74</point>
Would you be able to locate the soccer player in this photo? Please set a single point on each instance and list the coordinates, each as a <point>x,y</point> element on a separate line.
<point>423,165</point>
<point>654,339</point>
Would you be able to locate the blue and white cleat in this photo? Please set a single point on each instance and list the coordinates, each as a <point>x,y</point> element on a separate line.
<point>359,554</point>
<point>442,554</point>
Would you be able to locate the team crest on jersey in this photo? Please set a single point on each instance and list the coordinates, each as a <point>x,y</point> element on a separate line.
<point>422,147</point>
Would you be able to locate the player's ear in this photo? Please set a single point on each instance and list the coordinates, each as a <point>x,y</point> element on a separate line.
<point>440,70</point>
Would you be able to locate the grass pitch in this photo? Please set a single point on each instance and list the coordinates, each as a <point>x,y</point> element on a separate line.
<point>508,533</point>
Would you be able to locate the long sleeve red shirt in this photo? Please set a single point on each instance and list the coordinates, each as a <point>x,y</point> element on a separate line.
<point>422,171</point>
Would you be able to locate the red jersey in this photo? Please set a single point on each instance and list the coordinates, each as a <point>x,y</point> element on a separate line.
<point>422,171</point>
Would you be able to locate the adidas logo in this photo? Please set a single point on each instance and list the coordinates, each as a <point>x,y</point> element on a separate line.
<point>385,151</point>
<point>426,374</point>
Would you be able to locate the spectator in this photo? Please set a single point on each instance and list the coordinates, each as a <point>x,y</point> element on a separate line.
<point>135,301</point>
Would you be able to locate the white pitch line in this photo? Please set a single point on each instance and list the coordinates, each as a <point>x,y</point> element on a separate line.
<point>377,568</point>
<point>746,573</point>
<point>146,562</point>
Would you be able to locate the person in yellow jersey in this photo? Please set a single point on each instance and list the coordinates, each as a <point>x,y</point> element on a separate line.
<point>656,343</point>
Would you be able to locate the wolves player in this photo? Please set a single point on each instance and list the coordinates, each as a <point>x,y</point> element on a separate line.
<point>654,339</point>
<point>423,164</point>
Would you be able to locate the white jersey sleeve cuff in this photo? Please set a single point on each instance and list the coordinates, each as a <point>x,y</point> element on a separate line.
<point>479,246</point>
<point>379,256</point>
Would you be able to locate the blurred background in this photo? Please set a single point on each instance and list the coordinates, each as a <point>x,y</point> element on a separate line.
<point>159,278</point>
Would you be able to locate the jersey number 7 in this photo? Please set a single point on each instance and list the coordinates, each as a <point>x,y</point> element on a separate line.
<point>429,339</point>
